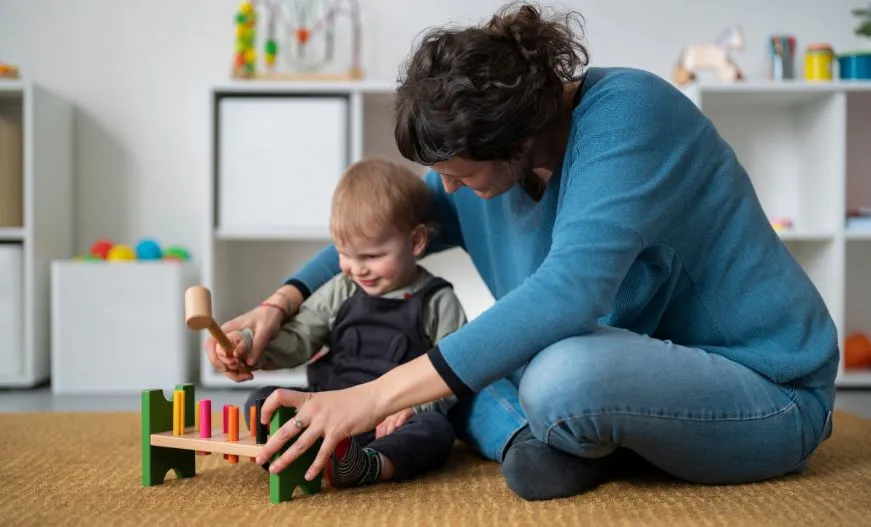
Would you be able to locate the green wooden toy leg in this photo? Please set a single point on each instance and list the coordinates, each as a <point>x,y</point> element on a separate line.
<point>156,418</point>
<point>282,485</point>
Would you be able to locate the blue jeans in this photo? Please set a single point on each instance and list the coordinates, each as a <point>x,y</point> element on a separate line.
<point>693,414</point>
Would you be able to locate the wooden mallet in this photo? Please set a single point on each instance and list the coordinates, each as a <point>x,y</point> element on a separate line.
<point>198,316</point>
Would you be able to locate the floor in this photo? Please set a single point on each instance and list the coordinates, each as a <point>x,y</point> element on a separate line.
<point>42,400</point>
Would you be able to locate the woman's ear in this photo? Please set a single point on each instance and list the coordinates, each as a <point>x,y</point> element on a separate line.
<point>419,240</point>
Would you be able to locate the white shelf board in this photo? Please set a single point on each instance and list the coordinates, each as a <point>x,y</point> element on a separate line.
<point>771,93</point>
<point>788,86</point>
<point>12,87</point>
<point>811,236</point>
<point>267,86</point>
<point>11,234</point>
<point>284,233</point>
<point>854,378</point>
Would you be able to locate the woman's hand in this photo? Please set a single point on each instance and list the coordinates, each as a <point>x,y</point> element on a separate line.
<point>264,321</point>
<point>340,414</point>
<point>389,425</point>
<point>334,415</point>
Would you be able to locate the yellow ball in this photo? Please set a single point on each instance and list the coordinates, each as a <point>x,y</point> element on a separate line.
<point>121,252</point>
<point>246,7</point>
<point>250,56</point>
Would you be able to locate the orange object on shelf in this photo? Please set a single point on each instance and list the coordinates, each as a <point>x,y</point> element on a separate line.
<point>857,352</point>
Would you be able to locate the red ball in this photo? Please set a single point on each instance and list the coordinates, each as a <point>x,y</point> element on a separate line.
<point>101,248</point>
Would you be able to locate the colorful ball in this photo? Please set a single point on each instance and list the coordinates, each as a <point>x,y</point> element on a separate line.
<point>148,249</point>
<point>101,248</point>
<point>176,253</point>
<point>120,253</point>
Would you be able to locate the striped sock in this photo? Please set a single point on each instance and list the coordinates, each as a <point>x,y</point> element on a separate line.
<point>352,465</point>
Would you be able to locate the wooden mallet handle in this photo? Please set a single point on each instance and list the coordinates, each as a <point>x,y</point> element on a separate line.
<point>198,316</point>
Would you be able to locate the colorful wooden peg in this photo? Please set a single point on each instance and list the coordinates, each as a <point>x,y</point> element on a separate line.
<point>233,431</point>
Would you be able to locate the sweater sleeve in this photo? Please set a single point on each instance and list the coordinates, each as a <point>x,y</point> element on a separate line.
<point>625,180</point>
<point>325,264</point>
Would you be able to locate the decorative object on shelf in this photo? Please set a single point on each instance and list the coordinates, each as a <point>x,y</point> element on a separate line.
<point>781,49</point>
<point>818,62</point>
<point>781,224</point>
<point>856,65</point>
<point>857,352</point>
<point>246,31</point>
<point>299,39</point>
<point>145,250</point>
<point>8,71</point>
<point>711,56</point>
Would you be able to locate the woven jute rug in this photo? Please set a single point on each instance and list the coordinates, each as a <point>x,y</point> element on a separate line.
<point>84,469</point>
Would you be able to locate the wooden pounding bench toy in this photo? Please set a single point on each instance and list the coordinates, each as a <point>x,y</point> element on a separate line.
<point>175,431</point>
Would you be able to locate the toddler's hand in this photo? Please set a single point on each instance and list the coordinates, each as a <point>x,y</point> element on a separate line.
<point>392,422</point>
<point>229,359</point>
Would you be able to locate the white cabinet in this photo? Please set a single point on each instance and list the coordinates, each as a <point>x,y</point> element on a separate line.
<point>279,158</point>
<point>806,147</point>
<point>11,301</point>
<point>36,223</point>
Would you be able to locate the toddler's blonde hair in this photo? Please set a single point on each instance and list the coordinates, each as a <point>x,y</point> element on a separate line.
<point>376,194</point>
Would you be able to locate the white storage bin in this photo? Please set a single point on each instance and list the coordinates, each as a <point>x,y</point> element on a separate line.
<point>11,311</point>
<point>279,161</point>
<point>119,326</point>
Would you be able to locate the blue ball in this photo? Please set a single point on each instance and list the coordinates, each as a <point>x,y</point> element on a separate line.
<point>148,250</point>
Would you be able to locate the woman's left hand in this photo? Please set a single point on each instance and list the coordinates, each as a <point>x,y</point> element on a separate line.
<point>333,415</point>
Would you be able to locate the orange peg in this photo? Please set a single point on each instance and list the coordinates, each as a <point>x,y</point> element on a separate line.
<point>233,430</point>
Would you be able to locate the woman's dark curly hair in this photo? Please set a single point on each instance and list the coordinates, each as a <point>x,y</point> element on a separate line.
<point>478,92</point>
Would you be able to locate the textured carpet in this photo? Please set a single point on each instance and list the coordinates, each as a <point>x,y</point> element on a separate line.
<point>84,469</point>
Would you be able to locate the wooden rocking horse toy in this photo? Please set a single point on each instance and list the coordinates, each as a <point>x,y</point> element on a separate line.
<point>711,55</point>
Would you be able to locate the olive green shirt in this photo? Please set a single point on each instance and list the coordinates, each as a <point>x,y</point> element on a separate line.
<point>300,338</point>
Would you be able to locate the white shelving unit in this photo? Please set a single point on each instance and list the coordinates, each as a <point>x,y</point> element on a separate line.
<point>807,147</point>
<point>36,170</point>
<point>244,260</point>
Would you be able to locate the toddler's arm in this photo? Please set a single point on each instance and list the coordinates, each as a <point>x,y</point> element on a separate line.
<point>303,335</point>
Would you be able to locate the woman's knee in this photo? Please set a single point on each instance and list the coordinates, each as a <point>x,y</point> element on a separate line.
<point>584,368</point>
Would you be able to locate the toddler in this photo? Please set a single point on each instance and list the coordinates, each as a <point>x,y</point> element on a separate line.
<point>383,310</point>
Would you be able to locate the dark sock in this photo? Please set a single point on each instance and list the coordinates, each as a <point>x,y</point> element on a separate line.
<point>353,465</point>
<point>535,471</point>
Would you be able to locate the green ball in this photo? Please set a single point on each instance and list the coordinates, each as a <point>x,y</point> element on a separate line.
<point>241,18</point>
<point>176,253</point>
<point>271,47</point>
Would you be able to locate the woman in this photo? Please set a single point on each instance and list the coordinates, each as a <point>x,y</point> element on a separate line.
<point>642,299</point>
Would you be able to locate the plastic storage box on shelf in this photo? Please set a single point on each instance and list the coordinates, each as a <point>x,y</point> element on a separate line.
<point>119,326</point>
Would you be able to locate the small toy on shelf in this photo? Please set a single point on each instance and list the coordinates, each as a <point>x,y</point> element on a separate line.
<point>146,249</point>
<point>819,59</point>
<point>299,39</point>
<point>8,71</point>
<point>169,442</point>
<point>246,32</point>
<point>711,55</point>
<point>857,352</point>
<point>781,224</point>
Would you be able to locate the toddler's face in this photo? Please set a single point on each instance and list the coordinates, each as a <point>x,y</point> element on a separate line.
<point>382,264</point>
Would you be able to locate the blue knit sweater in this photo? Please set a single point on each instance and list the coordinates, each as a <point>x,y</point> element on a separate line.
<point>650,224</point>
